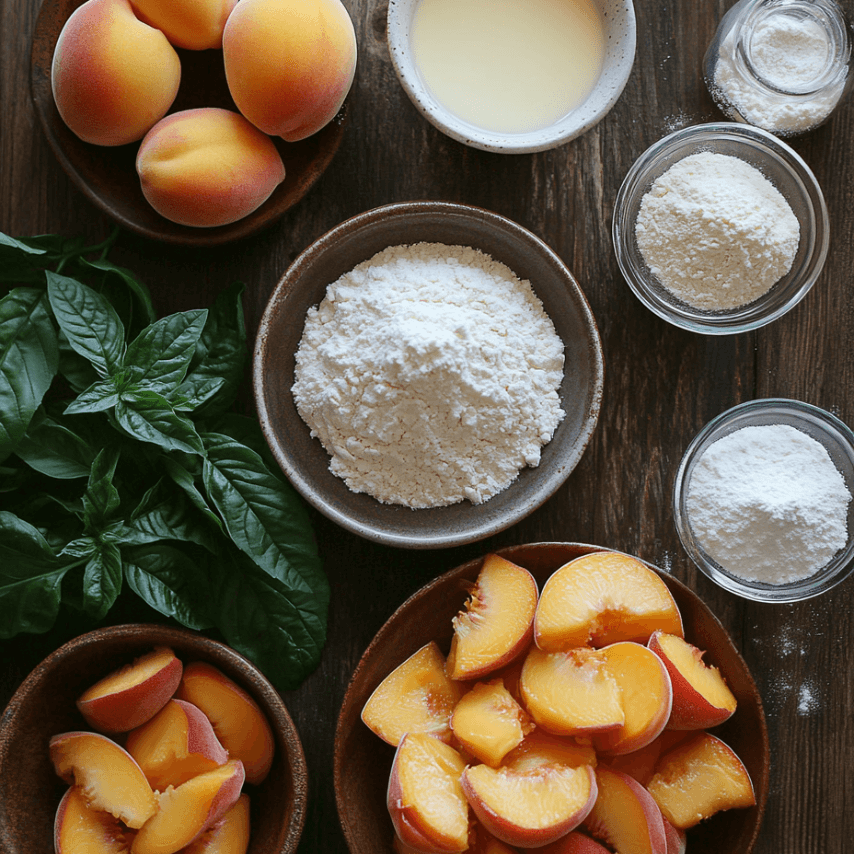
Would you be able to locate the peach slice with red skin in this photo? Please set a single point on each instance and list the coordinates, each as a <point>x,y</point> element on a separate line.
<point>677,841</point>
<point>239,724</point>
<point>176,744</point>
<point>185,812</point>
<point>230,835</point>
<point>639,764</point>
<point>79,829</point>
<point>646,696</point>
<point>602,598</point>
<point>698,778</point>
<point>625,815</point>
<point>701,697</point>
<point>530,809</point>
<point>416,696</point>
<point>425,798</point>
<point>488,722</point>
<point>133,694</point>
<point>575,842</point>
<point>571,693</point>
<point>543,748</point>
<point>496,624</point>
<point>106,774</point>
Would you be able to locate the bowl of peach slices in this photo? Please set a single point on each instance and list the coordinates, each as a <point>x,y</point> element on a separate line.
<point>145,739</point>
<point>554,696</point>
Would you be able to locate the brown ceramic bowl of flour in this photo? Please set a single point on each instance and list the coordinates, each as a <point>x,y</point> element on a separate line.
<point>303,286</point>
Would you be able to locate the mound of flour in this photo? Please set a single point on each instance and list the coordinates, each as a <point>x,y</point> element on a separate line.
<point>430,374</point>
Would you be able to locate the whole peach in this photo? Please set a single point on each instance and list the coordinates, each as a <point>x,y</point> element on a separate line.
<point>289,64</point>
<point>113,77</point>
<point>207,167</point>
<point>191,24</point>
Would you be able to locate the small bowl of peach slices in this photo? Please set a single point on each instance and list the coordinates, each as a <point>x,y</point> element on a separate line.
<point>144,739</point>
<point>558,697</point>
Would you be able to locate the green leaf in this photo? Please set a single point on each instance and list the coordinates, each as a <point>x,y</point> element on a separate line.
<point>55,451</point>
<point>268,522</point>
<point>160,355</point>
<point>172,583</point>
<point>190,396</point>
<point>30,578</point>
<point>186,481</point>
<point>101,499</point>
<point>149,417</point>
<point>89,322</point>
<point>102,580</point>
<point>22,246</point>
<point>101,395</point>
<point>137,288</point>
<point>77,371</point>
<point>221,352</point>
<point>28,362</point>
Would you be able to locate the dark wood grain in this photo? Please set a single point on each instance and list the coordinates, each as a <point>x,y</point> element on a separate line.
<point>661,384</point>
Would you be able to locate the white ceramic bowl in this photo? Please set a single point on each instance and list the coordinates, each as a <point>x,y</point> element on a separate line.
<point>620,39</point>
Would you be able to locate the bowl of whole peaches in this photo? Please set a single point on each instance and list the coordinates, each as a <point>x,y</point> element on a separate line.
<point>554,696</point>
<point>193,121</point>
<point>145,739</point>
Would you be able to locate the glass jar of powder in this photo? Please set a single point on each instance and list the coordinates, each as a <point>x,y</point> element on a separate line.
<point>782,65</point>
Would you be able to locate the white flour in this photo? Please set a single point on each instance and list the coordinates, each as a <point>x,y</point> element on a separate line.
<point>715,232</point>
<point>790,53</point>
<point>430,374</point>
<point>768,504</point>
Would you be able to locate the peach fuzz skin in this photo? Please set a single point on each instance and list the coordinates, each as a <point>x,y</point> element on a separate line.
<point>289,64</point>
<point>113,77</point>
<point>191,24</point>
<point>207,167</point>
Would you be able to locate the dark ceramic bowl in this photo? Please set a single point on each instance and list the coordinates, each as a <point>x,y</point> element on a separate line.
<point>304,460</point>
<point>44,705</point>
<point>107,176</point>
<point>362,761</point>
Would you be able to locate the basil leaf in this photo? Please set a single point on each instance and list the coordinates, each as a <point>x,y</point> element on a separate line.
<point>160,355</point>
<point>101,499</point>
<point>137,288</point>
<point>101,395</point>
<point>89,322</point>
<point>20,246</point>
<point>29,358</point>
<point>30,578</point>
<point>149,417</point>
<point>55,451</point>
<point>78,371</point>
<point>268,522</point>
<point>261,619</point>
<point>189,396</point>
<point>102,580</point>
<point>172,583</point>
<point>186,481</point>
<point>221,352</point>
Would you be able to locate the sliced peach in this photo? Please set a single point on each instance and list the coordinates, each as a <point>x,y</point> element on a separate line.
<point>425,797</point>
<point>416,696</point>
<point>130,696</point>
<point>543,748</point>
<point>485,843</point>
<point>639,764</point>
<point>79,829</point>
<point>239,724</point>
<point>677,841</point>
<point>496,624</point>
<point>571,693</point>
<point>625,815</point>
<point>488,722</point>
<point>533,808</point>
<point>575,842</point>
<point>230,835</point>
<point>645,695</point>
<point>701,697</point>
<point>189,810</point>
<point>107,775</point>
<point>602,598</point>
<point>699,777</point>
<point>176,744</point>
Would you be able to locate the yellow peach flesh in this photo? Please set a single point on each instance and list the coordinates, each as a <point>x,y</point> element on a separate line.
<point>132,674</point>
<point>543,748</point>
<point>703,678</point>
<point>82,830</point>
<point>228,836</point>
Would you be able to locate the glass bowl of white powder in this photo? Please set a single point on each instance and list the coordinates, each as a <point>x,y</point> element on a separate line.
<point>720,228</point>
<point>762,500</point>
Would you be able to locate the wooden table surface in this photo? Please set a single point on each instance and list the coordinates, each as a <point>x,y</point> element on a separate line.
<point>662,384</point>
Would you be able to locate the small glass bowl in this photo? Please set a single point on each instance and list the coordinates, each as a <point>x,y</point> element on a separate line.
<point>836,437</point>
<point>782,166</point>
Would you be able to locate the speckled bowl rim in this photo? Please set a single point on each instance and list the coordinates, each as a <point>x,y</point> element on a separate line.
<point>621,41</point>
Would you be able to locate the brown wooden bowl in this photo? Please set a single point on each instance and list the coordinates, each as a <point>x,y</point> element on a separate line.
<point>44,705</point>
<point>362,761</point>
<point>107,176</point>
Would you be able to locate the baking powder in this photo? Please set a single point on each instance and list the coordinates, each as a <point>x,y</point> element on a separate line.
<point>716,232</point>
<point>768,504</point>
<point>430,374</point>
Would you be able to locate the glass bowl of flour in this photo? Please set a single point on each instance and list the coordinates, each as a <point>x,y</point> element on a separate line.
<point>427,374</point>
<point>720,228</point>
<point>762,500</point>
